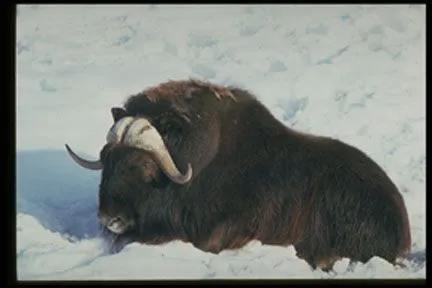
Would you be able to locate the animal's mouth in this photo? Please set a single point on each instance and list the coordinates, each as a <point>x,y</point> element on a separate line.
<point>117,225</point>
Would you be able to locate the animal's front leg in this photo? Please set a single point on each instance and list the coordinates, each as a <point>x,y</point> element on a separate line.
<point>158,232</point>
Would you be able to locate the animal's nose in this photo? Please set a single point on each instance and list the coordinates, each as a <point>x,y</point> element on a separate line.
<point>117,225</point>
<point>114,221</point>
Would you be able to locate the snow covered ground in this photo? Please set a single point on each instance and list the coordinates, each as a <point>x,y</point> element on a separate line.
<point>356,73</point>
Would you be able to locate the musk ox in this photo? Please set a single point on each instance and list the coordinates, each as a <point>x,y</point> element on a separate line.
<point>210,165</point>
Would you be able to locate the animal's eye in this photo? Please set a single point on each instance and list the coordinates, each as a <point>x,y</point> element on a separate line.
<point>135,168</point>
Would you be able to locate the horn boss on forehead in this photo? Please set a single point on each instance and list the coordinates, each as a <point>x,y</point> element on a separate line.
<point>118,129</point>
<point>139,133</point>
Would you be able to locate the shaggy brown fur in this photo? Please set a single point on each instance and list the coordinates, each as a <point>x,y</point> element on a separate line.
<point>184,89</point>
<point>254,179</point>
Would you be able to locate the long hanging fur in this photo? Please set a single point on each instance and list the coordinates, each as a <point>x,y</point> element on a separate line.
<point>254,179</point>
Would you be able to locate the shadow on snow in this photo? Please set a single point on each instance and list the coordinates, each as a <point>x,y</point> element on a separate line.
<point>62,196</point>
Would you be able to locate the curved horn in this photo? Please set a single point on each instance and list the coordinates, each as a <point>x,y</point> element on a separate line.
<point>92,165</point>
<point>143,135</point>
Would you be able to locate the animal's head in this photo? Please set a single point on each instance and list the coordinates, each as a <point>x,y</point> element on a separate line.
<point>156,140</point>
<point>135,163</point>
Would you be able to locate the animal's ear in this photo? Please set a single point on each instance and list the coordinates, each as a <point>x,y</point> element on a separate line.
<point>118,113</point>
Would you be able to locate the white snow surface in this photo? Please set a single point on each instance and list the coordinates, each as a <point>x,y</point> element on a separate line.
<point>356,73</point>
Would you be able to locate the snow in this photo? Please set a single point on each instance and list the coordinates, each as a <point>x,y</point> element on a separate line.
<point>356,73</point>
